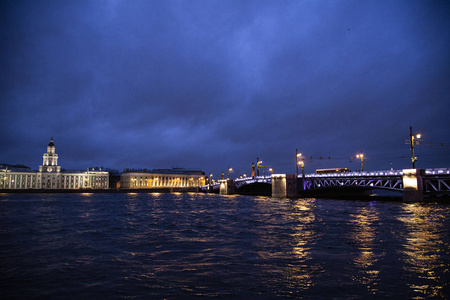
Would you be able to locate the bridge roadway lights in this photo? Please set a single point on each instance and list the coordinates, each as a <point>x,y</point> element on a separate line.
<point>413,185</point>
<point>226,187</point>
<point>284,186</point>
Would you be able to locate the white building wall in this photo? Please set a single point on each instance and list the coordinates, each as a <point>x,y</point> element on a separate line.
<point>142,180</point>
<point>53,180</point>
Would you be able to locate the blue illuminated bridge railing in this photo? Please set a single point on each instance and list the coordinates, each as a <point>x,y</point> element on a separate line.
<point>434,180</point>
<point>390,180</point>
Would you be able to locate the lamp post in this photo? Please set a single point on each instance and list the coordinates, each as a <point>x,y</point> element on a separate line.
<point>271,171</point>
<point>229,171</point>
<point>258,164</point>
<point>299,162</point>
<point>361,156</point>
<point>411,138</point>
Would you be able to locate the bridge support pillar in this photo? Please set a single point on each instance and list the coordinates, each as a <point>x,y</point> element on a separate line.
<point>284,186</point>
<point>226,187</point>
<point>413,185</point>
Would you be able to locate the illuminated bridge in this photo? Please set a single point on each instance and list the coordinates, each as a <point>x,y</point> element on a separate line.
<point>413,183</point>
<point>257,185</point>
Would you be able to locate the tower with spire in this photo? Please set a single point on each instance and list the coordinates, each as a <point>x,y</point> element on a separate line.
<point>50,159</point>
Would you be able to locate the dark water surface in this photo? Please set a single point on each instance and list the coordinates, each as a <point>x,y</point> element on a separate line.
<point>178,246</point>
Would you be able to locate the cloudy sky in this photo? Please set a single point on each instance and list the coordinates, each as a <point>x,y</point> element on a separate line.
<point>207,84</point>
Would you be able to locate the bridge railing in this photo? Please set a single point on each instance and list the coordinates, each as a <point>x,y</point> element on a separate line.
<point>210,187</point>
<point>358,174</point>
<point>249,180</point>
<point>436,181</point>
<point>381,182</point>
<point>256,177</point>
<point>440,171</point>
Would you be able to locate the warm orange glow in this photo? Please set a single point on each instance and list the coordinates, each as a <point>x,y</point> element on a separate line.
<point>364,237</point>
<point>423,234</point>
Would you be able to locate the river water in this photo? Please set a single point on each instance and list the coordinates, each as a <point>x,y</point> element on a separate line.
<point>196,246</point>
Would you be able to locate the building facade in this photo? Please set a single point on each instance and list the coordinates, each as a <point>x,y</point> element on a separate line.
<point>161,178</point>
<point>50,176</point>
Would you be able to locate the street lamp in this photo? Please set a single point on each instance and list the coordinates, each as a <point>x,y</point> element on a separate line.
<point>361,156</point>
<point>229,171</point>
<point>271,171</point>
<point>411,138</point>
<point>258,164</point>
<point>299,162</point>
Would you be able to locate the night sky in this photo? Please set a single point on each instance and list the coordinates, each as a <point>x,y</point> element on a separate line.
<point>207,84</point>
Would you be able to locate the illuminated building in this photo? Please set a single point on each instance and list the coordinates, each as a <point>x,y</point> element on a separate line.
<point>50,176</point>
<point>161,178</point>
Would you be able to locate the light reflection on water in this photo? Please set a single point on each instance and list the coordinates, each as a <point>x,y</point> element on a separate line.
<point>364,237</point>
<point>304,236</point>
<point>190,245</point>
<point>425,254</point>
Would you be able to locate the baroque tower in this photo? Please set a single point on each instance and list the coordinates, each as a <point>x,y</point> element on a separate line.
<point>50,159</point>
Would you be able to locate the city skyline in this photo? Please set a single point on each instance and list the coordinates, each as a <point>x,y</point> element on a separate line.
<point>209,85</point>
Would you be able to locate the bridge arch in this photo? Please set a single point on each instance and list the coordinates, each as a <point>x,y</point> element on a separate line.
<point>257,185</point>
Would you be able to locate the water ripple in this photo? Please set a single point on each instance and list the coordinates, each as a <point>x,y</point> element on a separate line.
<point>172,246</point>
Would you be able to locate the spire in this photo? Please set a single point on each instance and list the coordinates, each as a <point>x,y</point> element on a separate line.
<point>51,143</point>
